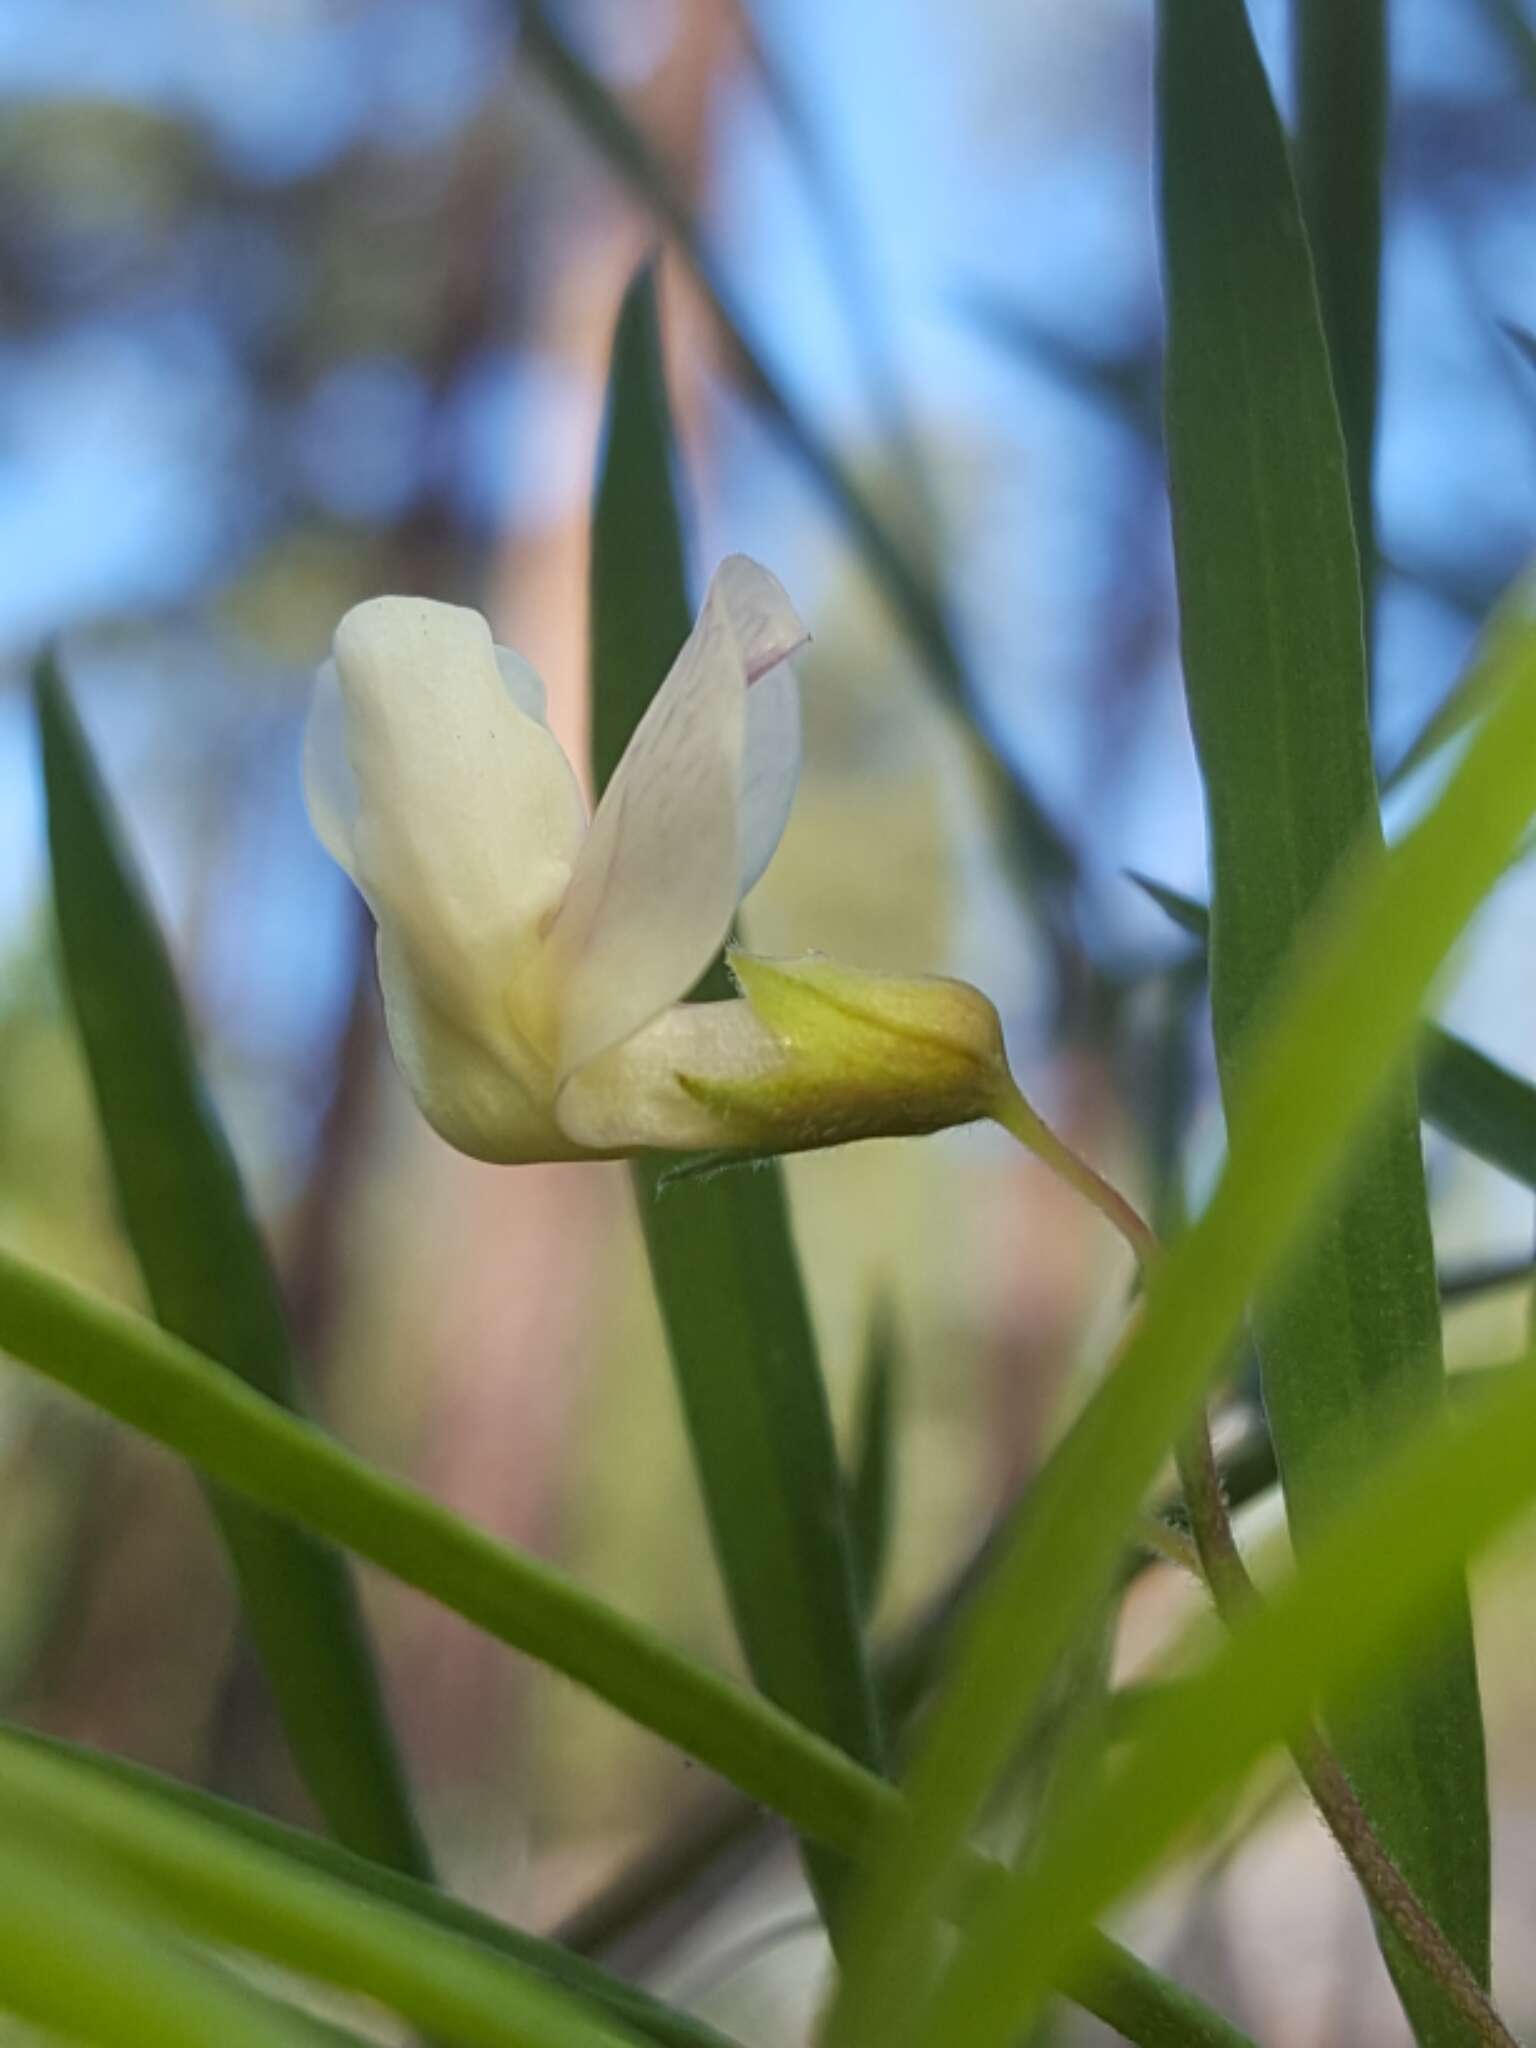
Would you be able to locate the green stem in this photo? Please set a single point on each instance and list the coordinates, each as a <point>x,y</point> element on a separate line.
<point>1022,1121</point>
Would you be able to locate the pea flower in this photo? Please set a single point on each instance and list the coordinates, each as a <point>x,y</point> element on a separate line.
<point>534,964</point>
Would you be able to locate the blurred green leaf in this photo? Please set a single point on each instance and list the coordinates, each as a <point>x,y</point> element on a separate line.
<point>722,1256</point>
<point>372,1881</point>
<point>1039,843</point>
<point>228,1887</point>
<point>1463,701</point>
<point>1467,1096</point>
<point>1125,383</point>
<point>80,1957</point>
<point>1333,1035</point>
<point>1480,1104</point>
<point>144,1376</point>
<point>1376,1576</point>
<point>1274,646</point>
<point>210,1281</point>
<point>872,1476</point>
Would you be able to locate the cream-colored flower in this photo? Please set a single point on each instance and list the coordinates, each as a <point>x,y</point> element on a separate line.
<point>534,965</point>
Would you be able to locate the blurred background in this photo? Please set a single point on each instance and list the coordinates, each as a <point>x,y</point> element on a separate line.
<point>307,299</point>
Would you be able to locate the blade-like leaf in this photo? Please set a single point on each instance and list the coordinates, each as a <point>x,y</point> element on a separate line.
<point>227,1887</point>
<point>1342,1628</point>
<point>81,1958</point>
<point>313,1854</point>
<point>1337,1031</point>
<point>1044,851</point>
<point>210,1281</point>
<point>138,1372</point>
<point>722,1257</point>
<point>1273,638</point>
<point>872,1476</point>
<point>1480,1104</point>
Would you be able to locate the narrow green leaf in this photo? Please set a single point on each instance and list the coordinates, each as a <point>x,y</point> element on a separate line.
<point>1336,1031</point>
<point>226,1886</point>
<point>1273,640</point>
<point>146,1377</point>
<point>1467,1096</point>
<point>722,1256</point>
<point>1043,849</point>
<point>1378,1573</point>
<point>1341,137</point>
<point>1480,1104</point>
<point>210,1281</point>
<point>872,1474</point>
<point>83,1960</point>
<point>309,1853</point>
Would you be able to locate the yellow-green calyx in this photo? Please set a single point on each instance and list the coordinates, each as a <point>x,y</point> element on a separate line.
<point>858,1055</point>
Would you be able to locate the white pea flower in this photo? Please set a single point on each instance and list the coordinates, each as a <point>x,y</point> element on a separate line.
<point>534,964</point>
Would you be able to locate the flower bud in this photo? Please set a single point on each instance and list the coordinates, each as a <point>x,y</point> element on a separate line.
<point>860,1055</point>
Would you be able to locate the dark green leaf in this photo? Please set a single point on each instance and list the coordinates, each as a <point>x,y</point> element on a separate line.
<point>723,1260</point>
<point>871,1478</point>
<point>1480,1104</point>
<point>1341,134</point>
<point>1275,672</point>
<point>210,1281</point>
